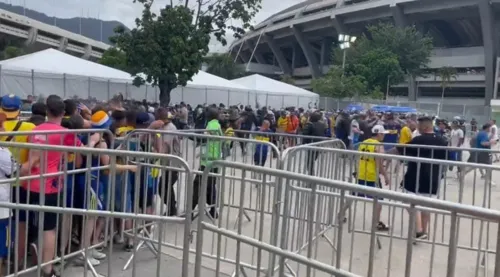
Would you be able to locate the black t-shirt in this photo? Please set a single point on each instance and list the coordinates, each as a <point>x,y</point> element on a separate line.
<point>314,129</point>
<point>430,174</point>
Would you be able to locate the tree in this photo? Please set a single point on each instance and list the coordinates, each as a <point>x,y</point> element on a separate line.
<point>287,79</point>
<point>223,65</point>
<point>167,49</point>
<point>386,52</point>
<point>337,85</point>
<point>446,73</point>
<point>114,58</point>
<point>376,65</point>
<point>12,52</point>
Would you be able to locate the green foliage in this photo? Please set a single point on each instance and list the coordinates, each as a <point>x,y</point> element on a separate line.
<point>287,79</point>
<point>223,65</point>
<point>384,56</point>
<point>12,52</point>
<point>115,58</point>
<point>335,84</point>
<point>376,65</point>
<point>446,73</point>
<point>167,49</point>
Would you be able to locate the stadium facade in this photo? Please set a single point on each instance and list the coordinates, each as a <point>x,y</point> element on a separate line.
<point>298,41</point>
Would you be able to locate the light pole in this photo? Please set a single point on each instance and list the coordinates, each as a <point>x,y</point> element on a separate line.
<point>345,43</point>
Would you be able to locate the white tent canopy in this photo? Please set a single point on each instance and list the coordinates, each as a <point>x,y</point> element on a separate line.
<point>53,72</point>
<point>278,94</point>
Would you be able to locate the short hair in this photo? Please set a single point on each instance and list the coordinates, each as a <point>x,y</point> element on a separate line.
<point>55,106</point>
<point>39,109</point>
<point>70,107</point>
<point>118,115</point>
<point>212,113</point>
<point>315,117</point>
<point>486,126</point>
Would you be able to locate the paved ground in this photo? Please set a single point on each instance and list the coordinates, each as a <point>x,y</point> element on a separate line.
<point>146,265</point>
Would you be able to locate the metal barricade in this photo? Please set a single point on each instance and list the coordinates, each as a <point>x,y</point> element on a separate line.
<point>405,256</point>
<point>53,198</point>
<point>281,140</point>
<point>461,192</point>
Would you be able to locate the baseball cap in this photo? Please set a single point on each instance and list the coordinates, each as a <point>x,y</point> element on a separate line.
<point>143,118</point>
<point>100,120</point>
<point>11,106</point>
<point>379,129</point>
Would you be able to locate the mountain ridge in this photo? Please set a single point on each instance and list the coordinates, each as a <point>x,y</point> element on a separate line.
<point>90,27</point>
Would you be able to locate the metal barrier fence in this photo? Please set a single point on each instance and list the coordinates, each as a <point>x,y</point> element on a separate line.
<point>442,109</point>
<point>51,229</point>
<point>277,215</point>
<point>350,251</point>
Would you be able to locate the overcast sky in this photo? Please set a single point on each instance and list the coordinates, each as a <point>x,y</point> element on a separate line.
<point>124,10</point>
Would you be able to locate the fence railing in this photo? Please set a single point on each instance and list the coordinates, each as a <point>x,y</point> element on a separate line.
<point>442,109</point>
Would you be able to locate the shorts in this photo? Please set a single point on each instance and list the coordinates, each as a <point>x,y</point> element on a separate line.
<point>123,194</point>
<point>422,194</point>
<point>147,189</point>
<point>368,184</point>
<point>479,157</point>
<point>49,219</point>
<point>4,237</point>
<point>95,199</point>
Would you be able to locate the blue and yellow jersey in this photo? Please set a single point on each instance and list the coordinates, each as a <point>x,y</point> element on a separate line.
<point>393,135</point>
<point>264,137</point>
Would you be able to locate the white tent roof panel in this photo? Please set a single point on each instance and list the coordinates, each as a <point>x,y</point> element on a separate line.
<point>54,61</point>
<point>261,83</point>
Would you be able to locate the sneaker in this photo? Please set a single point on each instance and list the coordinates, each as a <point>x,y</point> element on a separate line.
<point>382,227</point>
<point>80,261</point>
<point>51,274</point>
<point>129,247</point>
<point>118,239</point>
<point>421,235</point>
<point>98,255</point>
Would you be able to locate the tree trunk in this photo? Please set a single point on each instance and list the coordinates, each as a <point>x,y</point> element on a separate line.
<point>165,90</point>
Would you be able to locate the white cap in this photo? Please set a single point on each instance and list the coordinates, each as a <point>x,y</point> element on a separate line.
<point>379,129</point>
<point>151,110</point>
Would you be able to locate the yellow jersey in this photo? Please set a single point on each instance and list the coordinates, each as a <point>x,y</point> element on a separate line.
<point>229,132</point>
<point>19,154</point>
<point>405,135</point>
<point>367,165</point>
<point>282,123</point>
<point>123,131</point>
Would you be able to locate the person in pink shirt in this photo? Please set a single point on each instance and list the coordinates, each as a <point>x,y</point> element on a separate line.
<point>43,162</point>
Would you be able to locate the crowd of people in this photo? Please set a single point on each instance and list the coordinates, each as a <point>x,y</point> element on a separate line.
<point>112,121</point>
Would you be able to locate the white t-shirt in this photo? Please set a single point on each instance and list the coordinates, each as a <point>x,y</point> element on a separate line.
<point>494,132</point>
<point>354,125</point>
<point>7,166</point>
<point>415,133</point>
<point>455,136</point>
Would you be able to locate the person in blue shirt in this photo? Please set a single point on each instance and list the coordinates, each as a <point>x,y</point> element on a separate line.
<point>261,149</point>
<point>481,141</point>
<point>394,129</point>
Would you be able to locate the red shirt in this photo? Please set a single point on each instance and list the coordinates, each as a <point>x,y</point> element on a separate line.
<point>50,159</point>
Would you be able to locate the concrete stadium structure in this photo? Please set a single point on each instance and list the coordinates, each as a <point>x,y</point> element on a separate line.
<point>298,41</point>
<point>38,36</point>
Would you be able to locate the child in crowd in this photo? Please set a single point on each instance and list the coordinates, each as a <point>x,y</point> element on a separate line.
<point>228,130</point>
<point>7,167</point>
<point>261,149</point>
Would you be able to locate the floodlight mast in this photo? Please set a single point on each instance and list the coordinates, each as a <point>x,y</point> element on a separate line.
<point>345,42</point>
